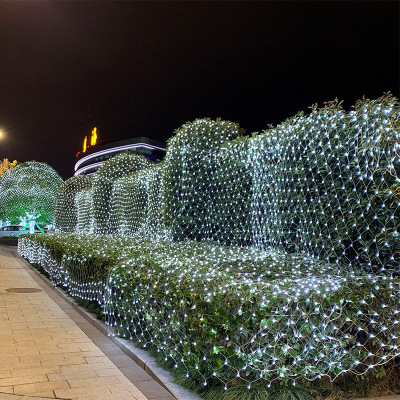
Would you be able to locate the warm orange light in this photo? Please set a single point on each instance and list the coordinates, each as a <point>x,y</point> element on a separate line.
<point>85,144</point>
<point>93,139</point>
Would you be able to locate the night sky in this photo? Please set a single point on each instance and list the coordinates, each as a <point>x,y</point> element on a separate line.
<point>145,68</point>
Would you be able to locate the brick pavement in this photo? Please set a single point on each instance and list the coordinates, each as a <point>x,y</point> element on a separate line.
<point>47,354</point>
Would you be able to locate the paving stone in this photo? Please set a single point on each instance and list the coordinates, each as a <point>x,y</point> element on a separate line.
<point>73,393</point>
<point>5,374</point>
<point>20,380</point>
<point>84,367</point>
<point>109,372</point>
<point>6,389</point>
<point>165,398</point>
<point>111,396</point>
<point>34,371</point>
<point>111,350</point>
<point>74,375</point>
<point>40,389</point>
<point>93,382</point>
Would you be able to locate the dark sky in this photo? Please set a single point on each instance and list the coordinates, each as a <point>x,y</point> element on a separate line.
<point>145,68</point>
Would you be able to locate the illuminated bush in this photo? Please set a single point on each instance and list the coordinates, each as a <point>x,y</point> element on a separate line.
<point>281,251</point>
<point>327,184</point>
<point>129,205</point>
<point>136,204</point>
<point>103,184</point>
<point>66,211</point>
<point>206,183</point>
<point>229,314</point>
<point>84,207</point>
<point>30,187</point>
<point>155,219</point>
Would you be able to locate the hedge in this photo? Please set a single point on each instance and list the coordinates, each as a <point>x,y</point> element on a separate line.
<point>230,314</point>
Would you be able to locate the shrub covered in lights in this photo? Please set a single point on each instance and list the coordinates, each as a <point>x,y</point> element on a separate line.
<point>29,191</point>
<point>229,314</point>
<point>328,184</point>
<point>207,186</point>
<point>103,184</point>
<point>134,202</point>
<point>84,208</point>
<point>264,259</point>
<point>66,211</point>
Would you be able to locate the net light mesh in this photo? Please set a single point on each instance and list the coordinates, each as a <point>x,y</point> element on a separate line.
<point>265,258</point>
<point>66,209</point>
<point>30,187</point>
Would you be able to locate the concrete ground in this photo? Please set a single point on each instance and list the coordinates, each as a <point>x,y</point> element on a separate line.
<point>48,350</point>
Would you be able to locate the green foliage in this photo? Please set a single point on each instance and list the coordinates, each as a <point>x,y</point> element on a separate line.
<point>30,187</point>
<point>66,212</point>
<point>229,314</point>
<point>329,184</point>
<point>84,211</point>
<point>103,183</point>
<point>129,205</point>
<point>207,188</point>
<point>283,263</point>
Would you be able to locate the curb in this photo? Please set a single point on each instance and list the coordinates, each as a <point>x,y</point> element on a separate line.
<point>140,356</point>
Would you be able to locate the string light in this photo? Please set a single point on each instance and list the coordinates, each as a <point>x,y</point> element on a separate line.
<point>29,188</point>
<point>66,209</point>
<point>271,258</point>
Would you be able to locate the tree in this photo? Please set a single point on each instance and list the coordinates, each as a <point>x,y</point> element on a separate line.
<point>6,165</point>
<point>29,191</point>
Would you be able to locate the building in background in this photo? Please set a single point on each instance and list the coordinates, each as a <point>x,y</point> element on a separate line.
<point>91,158</point>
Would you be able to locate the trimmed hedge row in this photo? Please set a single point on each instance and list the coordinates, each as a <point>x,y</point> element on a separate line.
<point>228,314</point>
<point>327,184</point>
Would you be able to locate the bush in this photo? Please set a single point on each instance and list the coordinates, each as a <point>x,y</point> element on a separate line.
<point>283,263</point>
<point>84,211</point>
<point>66,211</point>
<point>230,314</point>
<point>103,184</point>
<point>207,187</point>
<point>328,184</point>
<point>29,188</point>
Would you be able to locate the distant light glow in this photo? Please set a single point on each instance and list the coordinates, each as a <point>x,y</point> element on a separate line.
<point>115,149</point>
<point>93,139</point>
<point>83,169</point>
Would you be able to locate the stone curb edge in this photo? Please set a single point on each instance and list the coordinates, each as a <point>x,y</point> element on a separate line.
<point>141,357</point>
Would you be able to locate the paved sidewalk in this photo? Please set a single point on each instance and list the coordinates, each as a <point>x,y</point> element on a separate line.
<point>47,350</point>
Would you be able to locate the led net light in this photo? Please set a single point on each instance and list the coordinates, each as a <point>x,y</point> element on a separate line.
<point>29,188</point>
<point>66,210</point>
<point>84,208</point>
<point>207,184</point>
<point>136,204</point>
<point>327,184</point>
<point>267,258</point>
<point>229,313</point>
<point>103,185</point>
